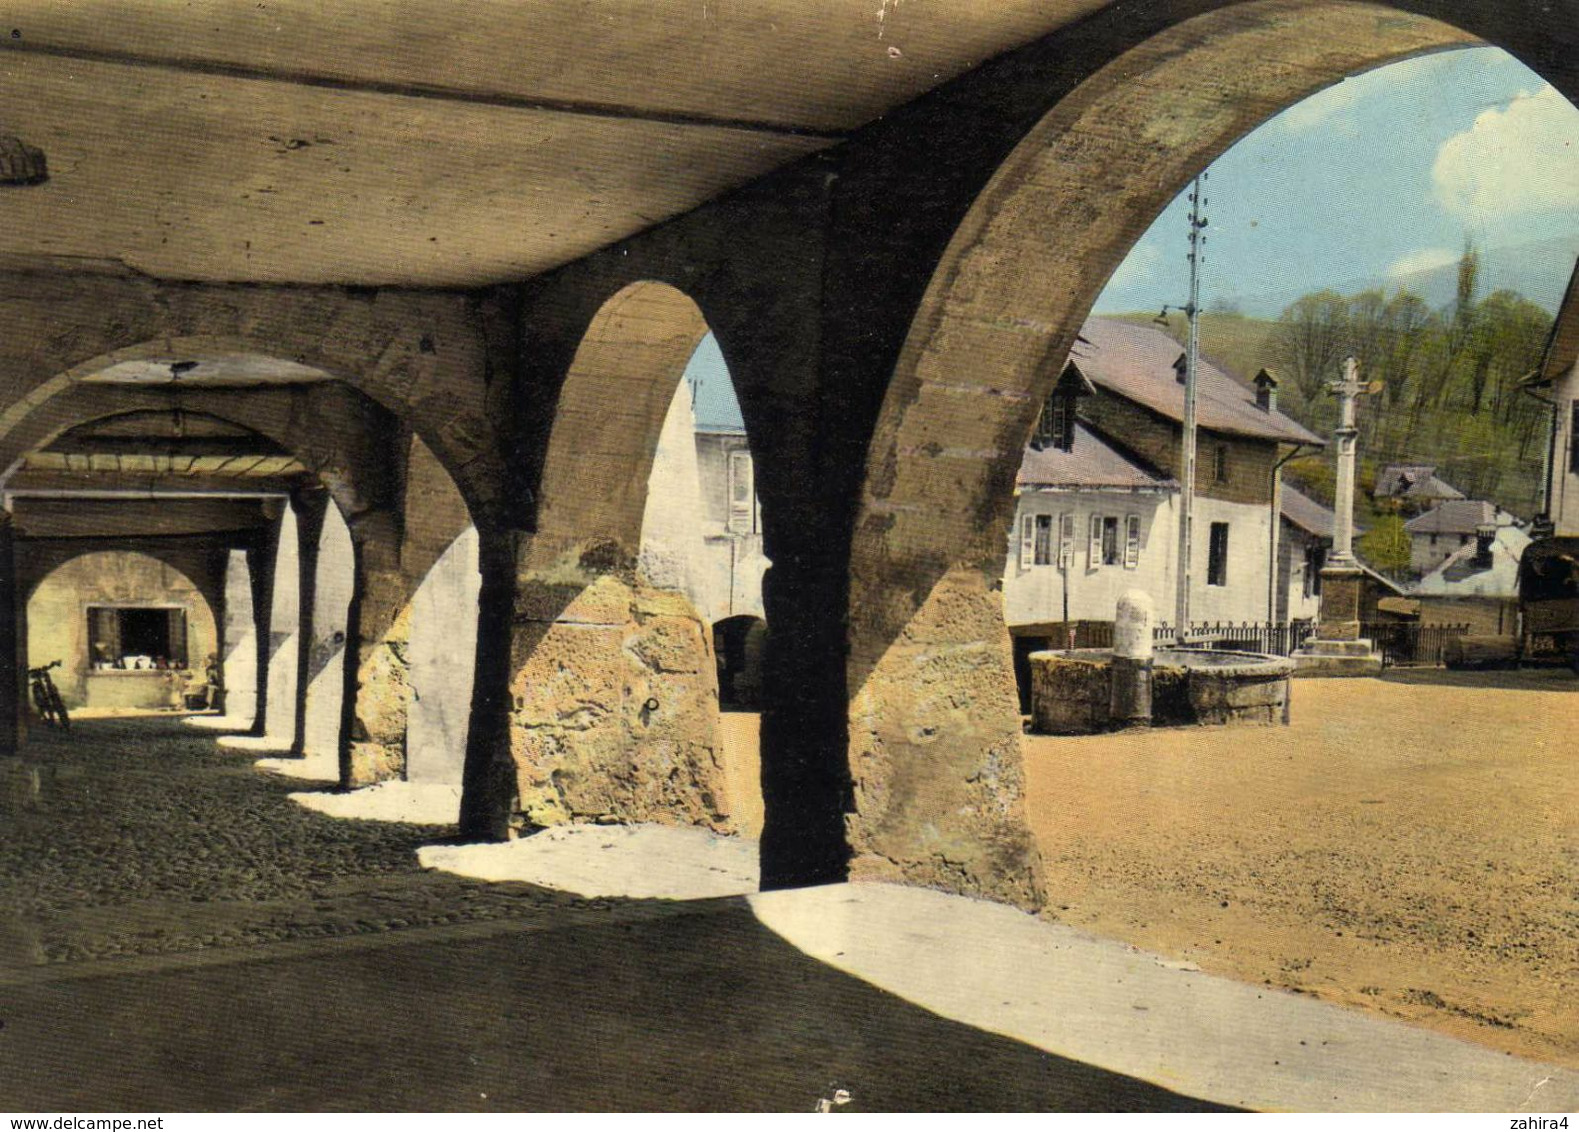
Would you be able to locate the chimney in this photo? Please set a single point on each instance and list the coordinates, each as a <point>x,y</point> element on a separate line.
<point>1485,535</point>
<point>1266,391</point>
<point>1181,366</point>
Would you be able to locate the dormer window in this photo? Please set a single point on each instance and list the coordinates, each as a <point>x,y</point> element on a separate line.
<point>1055,428</point>
<point>1181,367</point>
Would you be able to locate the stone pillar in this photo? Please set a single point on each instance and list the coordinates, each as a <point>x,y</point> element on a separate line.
<point>1337,649</point>
<point>332,589</point>
<point>377,629</point>
<point>1132,649</point>
<point>13,646</point>
<point>260,572</point>
<point>442,660</point>
<point>935,740</point>
<point>285,636</point>
<point>310,505</point>
<point>489,798</point>
<point>806,788</point>
<point>615,694</point>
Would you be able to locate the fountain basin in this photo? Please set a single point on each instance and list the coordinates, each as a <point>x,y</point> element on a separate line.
<point>1071,690</point>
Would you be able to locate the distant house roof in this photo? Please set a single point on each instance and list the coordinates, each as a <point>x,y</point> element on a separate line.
<point>1309,516</point>
<point>1092,462</point>
<point>1463,576</point>
<point>1457,517</point>
<point>1137,363</point>
<point>1413,481</point>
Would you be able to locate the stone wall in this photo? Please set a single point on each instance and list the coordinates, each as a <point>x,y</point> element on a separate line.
<point>615,706</point>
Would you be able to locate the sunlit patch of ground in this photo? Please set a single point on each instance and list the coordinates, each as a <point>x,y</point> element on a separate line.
<point>642,861</point>
<point>1409,845</point>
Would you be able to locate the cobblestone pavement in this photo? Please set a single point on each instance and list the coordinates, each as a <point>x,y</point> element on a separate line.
<point>141,836</point>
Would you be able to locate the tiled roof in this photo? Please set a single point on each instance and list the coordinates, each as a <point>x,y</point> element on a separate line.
<point>1413,481</point>
<point>1462,576</point>
<point>1091,462</point>
<point>1137,363</point>
<point>1306,514</point>
<point>1455,517</point>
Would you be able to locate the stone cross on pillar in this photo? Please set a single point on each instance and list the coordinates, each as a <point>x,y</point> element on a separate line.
<point>1348,388</point>
<point>1337,649</point>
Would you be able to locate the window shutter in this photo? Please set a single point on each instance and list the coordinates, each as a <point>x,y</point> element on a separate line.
<point>1132,542</point>
<point>1066,540</point>
<point>1027,540</point>
<point>742,493</point>
<point>1094,550</point>
<point>178,655</point>
<point>104,627</point>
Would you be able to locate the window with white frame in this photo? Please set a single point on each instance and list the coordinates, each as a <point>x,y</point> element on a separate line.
<point>1114,542</point>
<point>742,493</point>
<point>1037,540</point>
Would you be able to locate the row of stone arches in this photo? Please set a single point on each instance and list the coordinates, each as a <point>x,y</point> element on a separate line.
<point>885,444</point>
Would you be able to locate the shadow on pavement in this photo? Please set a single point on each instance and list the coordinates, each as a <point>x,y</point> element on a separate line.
<point>699,1011</point>
<point>147,838</point>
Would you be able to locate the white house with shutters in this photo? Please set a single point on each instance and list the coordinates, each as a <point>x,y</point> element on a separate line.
<point>1097,502</point>
<point>1093,521</point>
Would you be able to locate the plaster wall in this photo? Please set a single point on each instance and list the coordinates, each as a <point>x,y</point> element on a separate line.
<point>1293,570</point>
<point>336,578</point>
<point>1243,597</point>
<point>57,614</point>
<point>279,723</point>
<point>1034,594</point>
<point>1428,551</point>
<point>240,640</point>
<point>671,555</point>
<point>443,656</point>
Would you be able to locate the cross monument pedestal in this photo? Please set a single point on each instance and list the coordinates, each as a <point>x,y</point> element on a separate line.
<point>1337,649</point>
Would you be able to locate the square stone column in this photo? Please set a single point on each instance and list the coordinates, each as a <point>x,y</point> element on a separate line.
<point>1337,649</point>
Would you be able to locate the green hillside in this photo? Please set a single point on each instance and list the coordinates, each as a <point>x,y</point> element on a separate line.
<point>1489,455</point>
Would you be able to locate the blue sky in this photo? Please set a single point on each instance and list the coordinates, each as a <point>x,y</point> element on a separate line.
<point>1377,181</point>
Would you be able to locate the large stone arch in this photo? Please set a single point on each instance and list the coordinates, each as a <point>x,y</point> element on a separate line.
<point>934,729</point>
<point>428,358</point>
<point>611,676</point>
<point>338,434</point>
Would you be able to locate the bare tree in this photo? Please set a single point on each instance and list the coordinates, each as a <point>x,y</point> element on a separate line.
<point>1311,339</point>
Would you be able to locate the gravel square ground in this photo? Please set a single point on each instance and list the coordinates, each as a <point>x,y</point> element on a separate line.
<point>1409,845</point>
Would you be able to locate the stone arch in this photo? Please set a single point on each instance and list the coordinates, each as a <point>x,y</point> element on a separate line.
<point>427,358</point>
<point>613,680</point>
<point>295,418</point>
<point>611,410</point>
<point>934,729</point>
<point>64,589</point>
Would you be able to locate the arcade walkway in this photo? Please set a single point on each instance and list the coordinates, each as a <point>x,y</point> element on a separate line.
<point>178,935</point>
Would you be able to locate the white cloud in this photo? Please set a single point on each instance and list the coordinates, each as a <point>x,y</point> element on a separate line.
<point>1521,158</point>
<point>1422,260</point>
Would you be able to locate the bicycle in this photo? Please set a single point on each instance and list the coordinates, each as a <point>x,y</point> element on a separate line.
<point>46,697</point>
